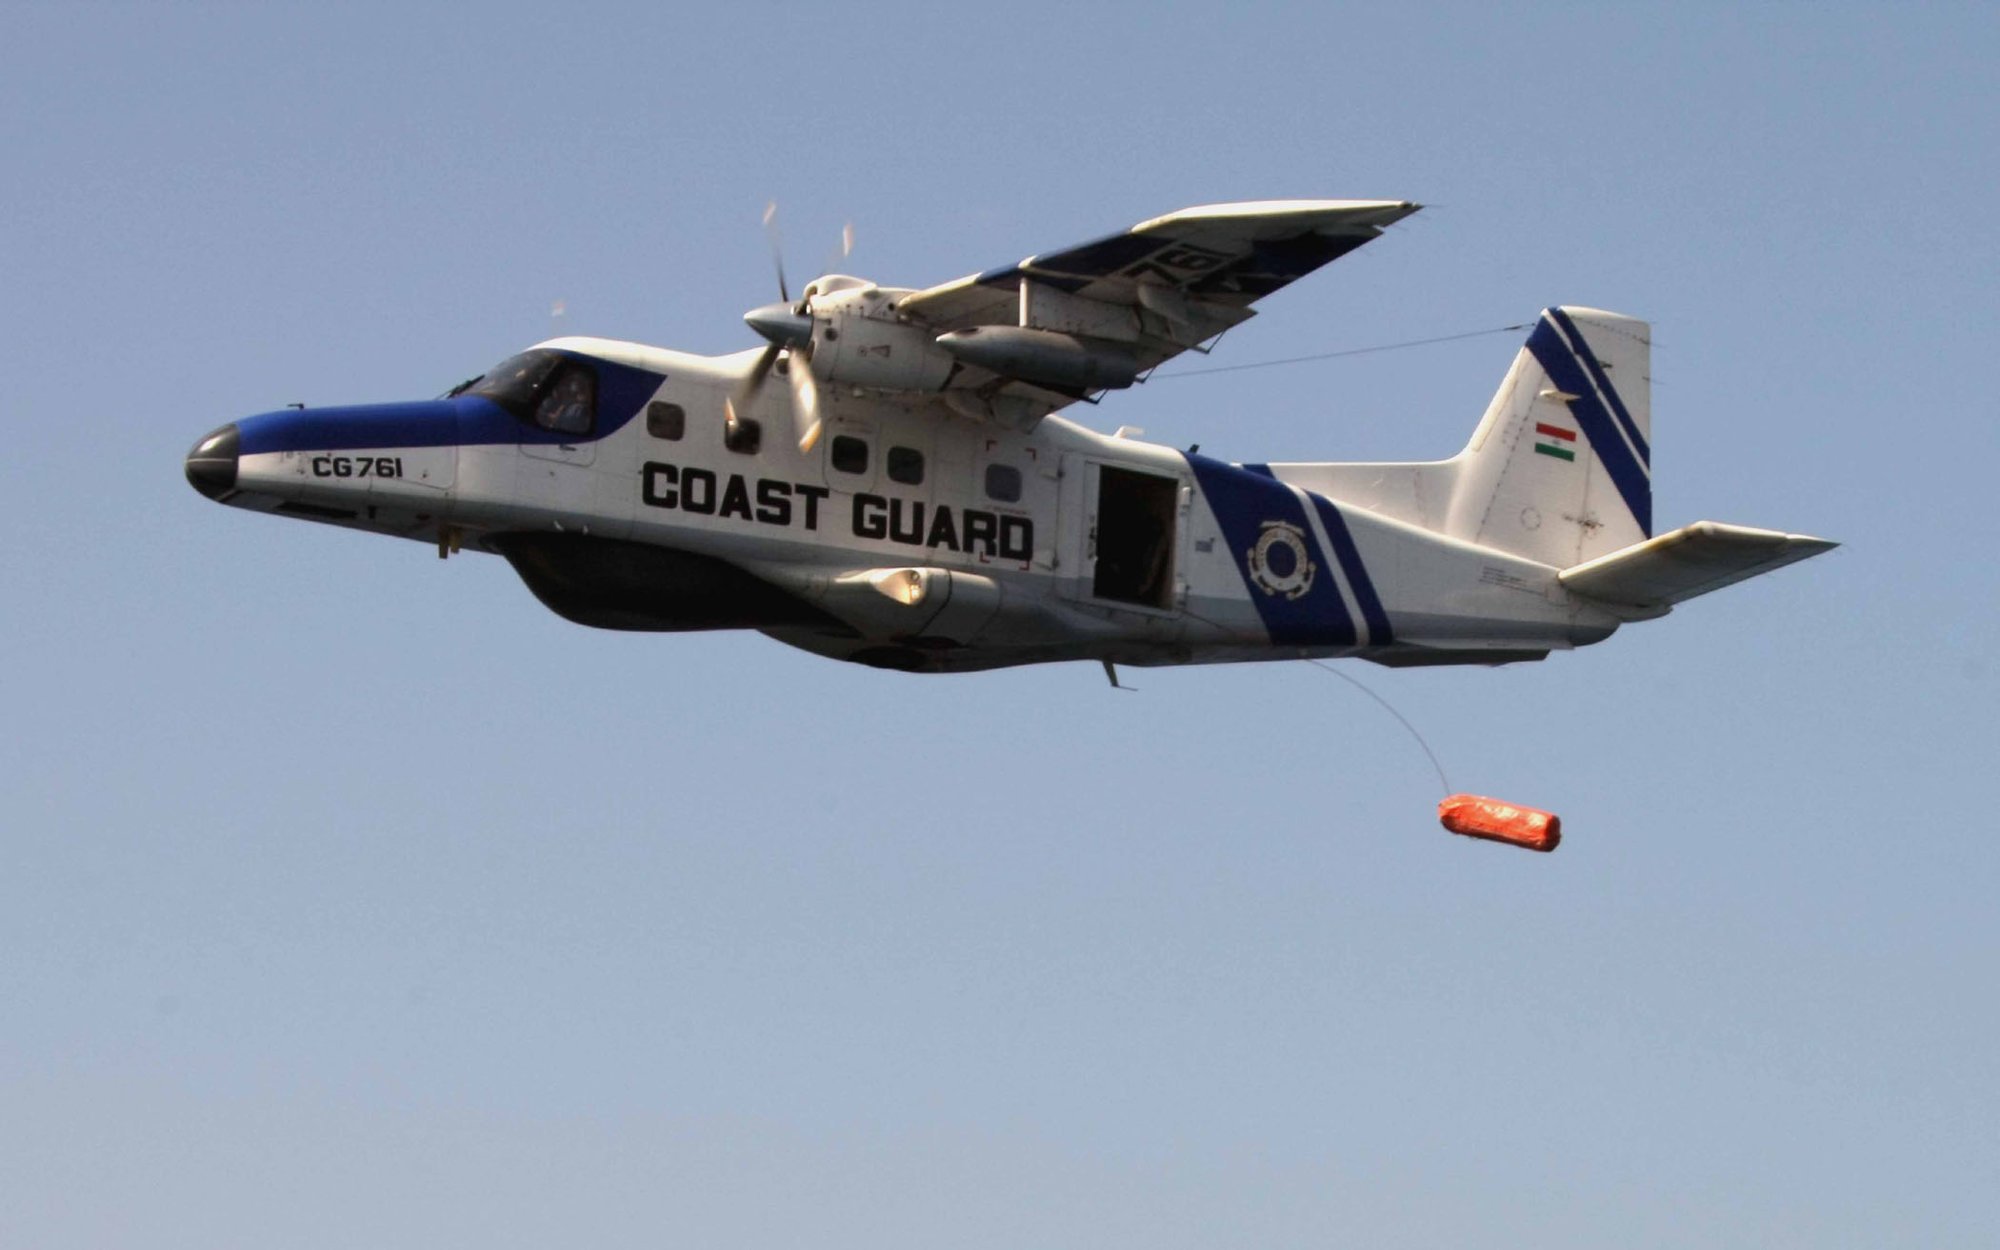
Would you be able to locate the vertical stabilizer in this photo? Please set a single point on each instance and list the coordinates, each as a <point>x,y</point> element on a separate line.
<point>1560,468</point>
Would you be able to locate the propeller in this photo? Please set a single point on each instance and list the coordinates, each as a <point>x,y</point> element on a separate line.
<point>777,248</point>
<point>788,328</point>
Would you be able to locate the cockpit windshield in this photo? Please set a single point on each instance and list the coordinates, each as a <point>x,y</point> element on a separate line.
<point>545,388</point>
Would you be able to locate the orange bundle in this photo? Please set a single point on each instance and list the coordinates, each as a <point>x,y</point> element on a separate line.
<point>1476,817</point>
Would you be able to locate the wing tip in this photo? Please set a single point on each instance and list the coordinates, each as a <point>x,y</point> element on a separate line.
<point>1343,212</point>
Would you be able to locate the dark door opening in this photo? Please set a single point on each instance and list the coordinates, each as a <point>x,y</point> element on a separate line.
<point>1135,537</point>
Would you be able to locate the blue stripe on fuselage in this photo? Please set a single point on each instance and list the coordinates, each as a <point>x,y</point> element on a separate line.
<point>432,423</point>
<point>1244,502</point>
<point>1370,603</point>
<point>1553,353</point>
<point>467,420</point>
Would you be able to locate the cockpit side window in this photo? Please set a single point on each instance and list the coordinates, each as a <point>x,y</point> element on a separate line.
<point>516,382</point>
<point>569,406</point>
<point>545,388</point>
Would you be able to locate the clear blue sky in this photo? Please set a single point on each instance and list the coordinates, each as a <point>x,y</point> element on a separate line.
<point>348,898</point>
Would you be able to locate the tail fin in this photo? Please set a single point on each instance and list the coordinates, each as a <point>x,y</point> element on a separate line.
<point>1559,469</point>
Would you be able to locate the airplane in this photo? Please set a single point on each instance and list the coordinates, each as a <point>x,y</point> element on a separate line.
<point>885,480</point>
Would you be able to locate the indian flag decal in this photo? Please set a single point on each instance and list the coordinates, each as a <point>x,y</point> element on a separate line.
<point>1553,440</point>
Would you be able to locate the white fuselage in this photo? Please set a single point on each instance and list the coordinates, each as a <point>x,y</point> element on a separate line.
<point>909,535</point>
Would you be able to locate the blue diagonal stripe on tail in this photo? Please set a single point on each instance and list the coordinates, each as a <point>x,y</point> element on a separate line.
<point>1379,633</point>
<point>1553,353</point>
<point>1581,346</point>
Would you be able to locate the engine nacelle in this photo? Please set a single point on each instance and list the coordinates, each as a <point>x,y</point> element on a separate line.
<point>857,339</point>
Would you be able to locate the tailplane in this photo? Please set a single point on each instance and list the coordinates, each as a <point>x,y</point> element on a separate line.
<point>1649,578</point>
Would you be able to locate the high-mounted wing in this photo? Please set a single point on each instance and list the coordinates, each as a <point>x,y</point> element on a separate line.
<point>1016,343</point>
<point>1155,290</point>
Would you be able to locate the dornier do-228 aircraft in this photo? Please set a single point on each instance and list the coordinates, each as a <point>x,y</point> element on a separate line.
<point>885,481</point>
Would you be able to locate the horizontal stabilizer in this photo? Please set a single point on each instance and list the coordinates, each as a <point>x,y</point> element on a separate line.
<point>1693,560</point>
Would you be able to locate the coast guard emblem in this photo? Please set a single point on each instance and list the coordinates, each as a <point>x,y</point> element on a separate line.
<point>1279,564</point>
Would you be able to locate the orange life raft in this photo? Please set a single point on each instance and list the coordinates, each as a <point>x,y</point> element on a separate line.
<point>1476,817</point>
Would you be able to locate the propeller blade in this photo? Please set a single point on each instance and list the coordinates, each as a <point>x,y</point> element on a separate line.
<point>843,252</point>
<point>805,401</point>
<point>758,372</point>
<point>751,385</point>
<point>777,248</point>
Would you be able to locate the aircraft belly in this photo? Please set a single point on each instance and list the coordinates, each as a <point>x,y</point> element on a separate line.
<point>612,583</point>
<point>991,653</point>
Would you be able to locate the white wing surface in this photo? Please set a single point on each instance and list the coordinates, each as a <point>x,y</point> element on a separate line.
<point>1161,287</point>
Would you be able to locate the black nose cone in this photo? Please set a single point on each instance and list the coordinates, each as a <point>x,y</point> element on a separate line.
<point>211,466</point>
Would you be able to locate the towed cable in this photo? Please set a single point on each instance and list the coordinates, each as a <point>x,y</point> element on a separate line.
<point>1350,351</point>
<point>1404,721</point>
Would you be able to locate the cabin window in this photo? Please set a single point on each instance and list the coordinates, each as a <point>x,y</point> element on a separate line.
<point>741,434</point>
<point>906,465</point>
<point>666,420</point>
<point>849,454</point>
<point>1003,482</point>
<point>569,405</point>
<point>1135,537</point>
